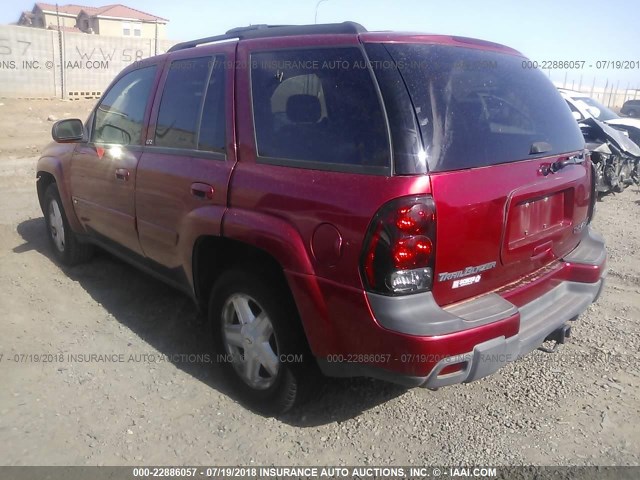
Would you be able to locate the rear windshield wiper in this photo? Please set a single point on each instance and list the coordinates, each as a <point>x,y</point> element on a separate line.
<point>540,147</point>
<point>560,164</point>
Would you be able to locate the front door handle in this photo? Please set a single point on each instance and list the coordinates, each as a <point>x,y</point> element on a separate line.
<point>202,190</point>
<point>122,174</point>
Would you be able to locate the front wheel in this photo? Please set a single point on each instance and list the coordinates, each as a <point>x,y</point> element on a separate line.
<point>66,247</point>
<point>258,337</point>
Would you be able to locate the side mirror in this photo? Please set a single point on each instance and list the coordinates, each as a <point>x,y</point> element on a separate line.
<point>576,115</point>
<point>68,131</point>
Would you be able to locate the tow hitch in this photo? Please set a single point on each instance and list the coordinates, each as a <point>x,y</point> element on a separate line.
<point>559,337</point>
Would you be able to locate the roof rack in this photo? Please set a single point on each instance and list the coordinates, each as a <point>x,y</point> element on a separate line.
<point>264,31</point>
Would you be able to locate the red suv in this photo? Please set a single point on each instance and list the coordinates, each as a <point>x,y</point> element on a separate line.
<point>408,207</point>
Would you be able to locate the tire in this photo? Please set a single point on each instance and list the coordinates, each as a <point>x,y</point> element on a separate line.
<point>64,243</point>
<point>255,325</point>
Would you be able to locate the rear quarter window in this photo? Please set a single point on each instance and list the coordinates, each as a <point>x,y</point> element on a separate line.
<point>318,108</point>
<point>477,108</point>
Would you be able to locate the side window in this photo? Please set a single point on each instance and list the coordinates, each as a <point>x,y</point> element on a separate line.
<point>212,126</point>
<point>318,106</point>
<point>194,87</point>
<point>299,85</point>
<point>181,101</point>
<point>120,115</point>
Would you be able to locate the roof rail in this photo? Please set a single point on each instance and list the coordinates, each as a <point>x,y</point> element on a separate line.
<point>264,31</point>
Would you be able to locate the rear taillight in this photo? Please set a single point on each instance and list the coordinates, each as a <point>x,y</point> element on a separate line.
<point>399,250</point>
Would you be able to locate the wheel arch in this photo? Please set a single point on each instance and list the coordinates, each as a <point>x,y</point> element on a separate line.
<point>44,179</point>
<point>212,255</point>
<point>50,171</point>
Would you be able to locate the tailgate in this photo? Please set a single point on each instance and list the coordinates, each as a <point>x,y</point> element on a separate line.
<point>497,224</point>
<point>488,128</point>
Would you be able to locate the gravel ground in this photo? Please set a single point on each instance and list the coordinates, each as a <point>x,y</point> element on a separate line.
<point>578,406</point>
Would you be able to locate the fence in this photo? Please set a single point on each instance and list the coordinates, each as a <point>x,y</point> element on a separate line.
<point>613,95</point>
<point>38,63</point>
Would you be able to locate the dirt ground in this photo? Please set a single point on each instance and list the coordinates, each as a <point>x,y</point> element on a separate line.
<point>59,406</point>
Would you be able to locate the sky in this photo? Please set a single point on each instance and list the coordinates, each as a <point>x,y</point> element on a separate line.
<point>589,30</point>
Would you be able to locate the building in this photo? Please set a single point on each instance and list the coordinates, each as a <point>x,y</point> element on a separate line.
<point>112,20</point>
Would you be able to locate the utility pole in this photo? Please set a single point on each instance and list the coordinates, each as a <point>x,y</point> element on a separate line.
<point>61,56</point>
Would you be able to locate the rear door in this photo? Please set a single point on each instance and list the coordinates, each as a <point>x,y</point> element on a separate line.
<point>314,152</point>
<point>490,130</point>
<point>189,153</point>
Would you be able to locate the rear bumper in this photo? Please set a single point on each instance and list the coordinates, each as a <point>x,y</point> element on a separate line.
<point>538,319</point>
<point>482,335</point>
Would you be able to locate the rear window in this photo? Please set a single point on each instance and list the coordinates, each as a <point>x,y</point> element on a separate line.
<point>477,108</point>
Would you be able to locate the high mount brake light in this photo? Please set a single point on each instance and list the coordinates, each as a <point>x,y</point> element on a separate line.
<point>399,252</point>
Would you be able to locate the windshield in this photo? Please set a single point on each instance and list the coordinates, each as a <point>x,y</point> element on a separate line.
<point>477,108</point>
<point>596,109</point>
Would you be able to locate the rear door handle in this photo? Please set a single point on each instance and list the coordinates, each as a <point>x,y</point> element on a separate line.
<point>202,191</point>
<point>122,174</point>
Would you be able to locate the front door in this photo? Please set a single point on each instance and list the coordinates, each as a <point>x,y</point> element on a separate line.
<point>103,170</point>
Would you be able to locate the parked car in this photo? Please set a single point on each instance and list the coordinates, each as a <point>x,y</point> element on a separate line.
<point>615,157</point>
<point>631,108</point>
<point>413,208</point>
<point>584,106</point>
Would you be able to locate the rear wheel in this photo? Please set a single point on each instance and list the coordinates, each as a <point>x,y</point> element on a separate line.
<point>258,338</point>
<point>66,247</point>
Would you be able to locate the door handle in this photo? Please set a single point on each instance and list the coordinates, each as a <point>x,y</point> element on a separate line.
<point>202,191</point>
<point>542,250</point>
<point>122,174</point>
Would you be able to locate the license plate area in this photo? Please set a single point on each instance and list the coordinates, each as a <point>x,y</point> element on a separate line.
<point>533,219</point>
<point>535,223</point>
